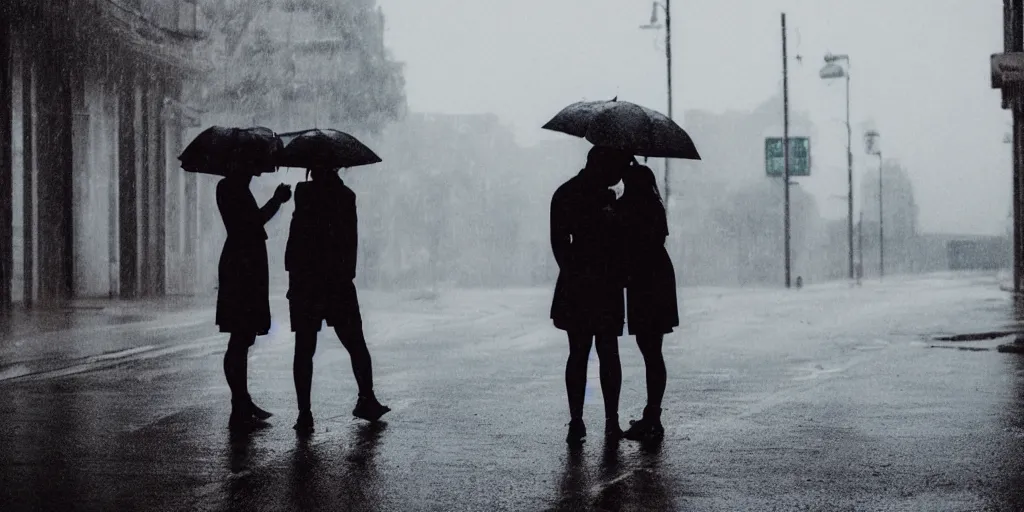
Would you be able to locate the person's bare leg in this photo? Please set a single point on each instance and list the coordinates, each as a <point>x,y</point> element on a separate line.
<point>362,363</point>
<point>302,375</point>
<point>657,375</point>
<point>611,380</point>
<point>576,373</point>
<point>367,405</point>
<point>236,368</point>
<point>302,367</point>
<point>238,349</point>
<point>576,383</point>
<point>649,427</point>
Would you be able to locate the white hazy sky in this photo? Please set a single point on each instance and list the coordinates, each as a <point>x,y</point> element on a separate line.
<point>919,76</point>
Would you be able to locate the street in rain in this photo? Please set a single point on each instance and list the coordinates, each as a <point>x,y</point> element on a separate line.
<point>568,255</point>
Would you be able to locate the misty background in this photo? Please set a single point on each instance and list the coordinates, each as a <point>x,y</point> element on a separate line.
<point>451,94</point>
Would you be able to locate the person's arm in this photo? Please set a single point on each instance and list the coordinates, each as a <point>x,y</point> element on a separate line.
<point>561,233</point>
<point>268,210</point>
<point>281,195</point>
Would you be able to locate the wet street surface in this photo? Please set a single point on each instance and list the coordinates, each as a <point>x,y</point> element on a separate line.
<point>826,398</point>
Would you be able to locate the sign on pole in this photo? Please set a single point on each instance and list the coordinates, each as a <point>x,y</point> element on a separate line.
<point>799,156</point>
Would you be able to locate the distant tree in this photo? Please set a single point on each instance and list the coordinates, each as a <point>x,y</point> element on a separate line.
<point>273,57</point>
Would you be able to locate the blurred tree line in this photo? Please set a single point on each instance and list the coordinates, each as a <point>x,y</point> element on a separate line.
<point>290,64</point>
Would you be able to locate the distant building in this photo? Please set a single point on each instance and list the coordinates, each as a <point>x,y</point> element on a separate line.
<point>937,252</point>
<point>91,120</point>
<point>987,253</point>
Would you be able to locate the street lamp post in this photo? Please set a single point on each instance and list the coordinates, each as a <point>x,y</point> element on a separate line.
<point>785,151</point>
<point>860,247</point>
<point>667,7</point>
<point>871,140</point>
<point>831,71</point>
<point>881,222</point>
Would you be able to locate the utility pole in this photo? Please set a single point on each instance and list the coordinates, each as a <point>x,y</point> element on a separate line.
<point>830,71</point>
<point>881,222</point>
<point>668,64</point>
<point>1013,41</point>
<point>667,7</point>
<point>849,172</point>
<point>785,146</point>
<point>872,148</point>
<point>860,247</point>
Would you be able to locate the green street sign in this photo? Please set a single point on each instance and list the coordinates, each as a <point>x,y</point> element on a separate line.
<point>799,156</point>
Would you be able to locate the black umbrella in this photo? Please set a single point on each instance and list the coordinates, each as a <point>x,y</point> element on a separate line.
<point>626,126</point>
<point>576,118</point>
<point>221,151</point>
<point>325,148</point>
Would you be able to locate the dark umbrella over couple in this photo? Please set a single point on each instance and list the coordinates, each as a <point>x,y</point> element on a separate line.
<point>603,245</point>
<point>320,256</point>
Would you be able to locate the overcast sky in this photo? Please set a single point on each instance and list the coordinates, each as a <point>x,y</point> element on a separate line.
<point>919,76</point>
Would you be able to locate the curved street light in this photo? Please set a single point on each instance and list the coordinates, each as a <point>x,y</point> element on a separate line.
<point>872,148</point>
<point>832,71</point>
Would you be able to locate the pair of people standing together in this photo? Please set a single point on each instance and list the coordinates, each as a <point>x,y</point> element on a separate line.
<point>603,246</point>
<point>320,258</point>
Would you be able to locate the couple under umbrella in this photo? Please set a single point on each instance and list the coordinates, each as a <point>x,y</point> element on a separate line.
<point>603,245</point>
<point>320,256</point>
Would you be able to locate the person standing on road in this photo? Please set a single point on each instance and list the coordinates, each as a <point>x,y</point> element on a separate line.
<point>320,258</point>
<point>652,306</point>
<point>243,291</point>
<point>587,242</point>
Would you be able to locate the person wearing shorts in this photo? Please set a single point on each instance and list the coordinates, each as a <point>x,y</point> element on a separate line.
<point>320,258</point>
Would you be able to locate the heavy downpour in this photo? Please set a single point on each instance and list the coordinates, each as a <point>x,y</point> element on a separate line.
<point>404,255</point>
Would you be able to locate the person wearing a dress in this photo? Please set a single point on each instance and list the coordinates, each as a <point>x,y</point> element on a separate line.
<point>243,302</point>
<point>651,304</point>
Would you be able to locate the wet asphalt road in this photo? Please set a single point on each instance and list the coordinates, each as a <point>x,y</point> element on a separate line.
<point>827,398</point>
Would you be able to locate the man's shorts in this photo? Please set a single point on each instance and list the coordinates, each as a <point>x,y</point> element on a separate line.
<point>309,306</point>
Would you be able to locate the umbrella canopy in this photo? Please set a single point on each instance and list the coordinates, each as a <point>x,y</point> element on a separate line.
<point>626,126</point>
<point>325,148</point>
<point>576,118</point>
<point>221,151</point>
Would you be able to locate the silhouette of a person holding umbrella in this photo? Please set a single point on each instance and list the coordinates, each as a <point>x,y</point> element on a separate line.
<point>320,258</point>
<point>587,242</point>
<point>243,293</point>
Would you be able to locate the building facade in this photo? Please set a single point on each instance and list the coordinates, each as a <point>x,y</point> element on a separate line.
<point>91,123</point>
